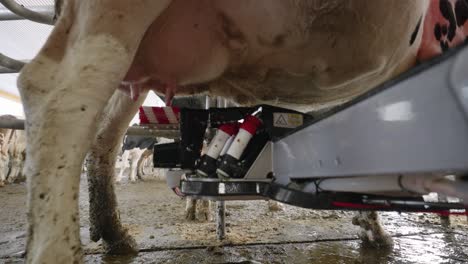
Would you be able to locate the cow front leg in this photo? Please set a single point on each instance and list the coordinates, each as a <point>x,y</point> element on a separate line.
<point>372,233</point>
<point>104,215</point>
<point>59,132</point>
<point>64,90</point>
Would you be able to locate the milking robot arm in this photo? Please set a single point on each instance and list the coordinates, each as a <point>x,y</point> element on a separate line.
<point>381,151</point>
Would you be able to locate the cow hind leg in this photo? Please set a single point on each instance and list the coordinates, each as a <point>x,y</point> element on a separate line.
<point>4,158</point>
<point>3,169</point>
<point>134,164</point>
<point>190,209</point>
<point>16,157</point>
<point>142,163</point>
<point>372,233</point>
<point>15,164</point>
<point>64,89</point>
<point>104,216</point>
<point>203,211</point>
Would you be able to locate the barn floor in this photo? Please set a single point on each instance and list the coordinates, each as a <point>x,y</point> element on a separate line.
<point>156,219</point>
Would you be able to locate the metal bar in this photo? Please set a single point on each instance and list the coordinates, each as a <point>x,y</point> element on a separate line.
<point>220,205</point>
<point>143,131</point>
<point>7,15</point>
<point>17,124</point>
<point>26,13</point>
<point>6,70</point>
<point>220,220</point>
<point>10,63</point>
<point>172,134</point>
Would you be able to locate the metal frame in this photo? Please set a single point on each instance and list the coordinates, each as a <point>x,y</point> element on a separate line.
<point>6,70</point>
<point>15,11</point>
<point>41,16</point>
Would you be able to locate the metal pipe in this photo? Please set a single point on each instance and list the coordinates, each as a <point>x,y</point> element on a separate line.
<point>220,205</point>
<point>220,220</point>
<point>7,15</point>
<point>17,124</point>
<point>26,13</point>
<point>6,70</point>
<point>157,132</point>
<point>10,63</point>
<point>142,131</point>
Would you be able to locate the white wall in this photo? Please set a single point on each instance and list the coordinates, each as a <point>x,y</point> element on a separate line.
<point>8,107</point>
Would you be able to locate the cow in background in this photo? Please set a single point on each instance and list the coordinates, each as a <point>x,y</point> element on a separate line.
<point>12,153</point>
<point>133,148</point>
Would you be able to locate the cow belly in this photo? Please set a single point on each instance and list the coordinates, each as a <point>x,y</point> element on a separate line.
<point>294,52</point>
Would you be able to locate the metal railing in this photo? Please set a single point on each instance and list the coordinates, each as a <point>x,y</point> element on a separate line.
<point>7,15</point>
<point>15,11</point>
<point>10,63</point>
<point>43,15</point>
<point>167,131</point>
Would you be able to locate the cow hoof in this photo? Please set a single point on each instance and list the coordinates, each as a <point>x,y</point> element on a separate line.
<point>11,181</point>
<point>190,215</point>
<point>380,241</point>
<point>2,184</point>
<point>203,217</point>
<point>125,246</point>
<point>275,206</point>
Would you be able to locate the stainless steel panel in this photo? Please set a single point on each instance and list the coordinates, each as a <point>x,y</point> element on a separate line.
<point>415,126</point>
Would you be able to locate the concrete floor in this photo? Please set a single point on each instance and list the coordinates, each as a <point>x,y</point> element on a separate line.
<point>254,235</point>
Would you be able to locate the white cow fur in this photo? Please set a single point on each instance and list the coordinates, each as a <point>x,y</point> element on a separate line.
<point>70,87</point>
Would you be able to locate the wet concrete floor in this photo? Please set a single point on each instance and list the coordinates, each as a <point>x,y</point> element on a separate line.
<point>155,217</point>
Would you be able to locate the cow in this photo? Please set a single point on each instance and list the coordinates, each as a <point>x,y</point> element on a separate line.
<point>303,54</point>
<point>130,157</point>
<point>133,148</point>
<point>12,153</point>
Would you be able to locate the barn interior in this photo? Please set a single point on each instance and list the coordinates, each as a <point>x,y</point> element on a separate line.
<point>253,231</point>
